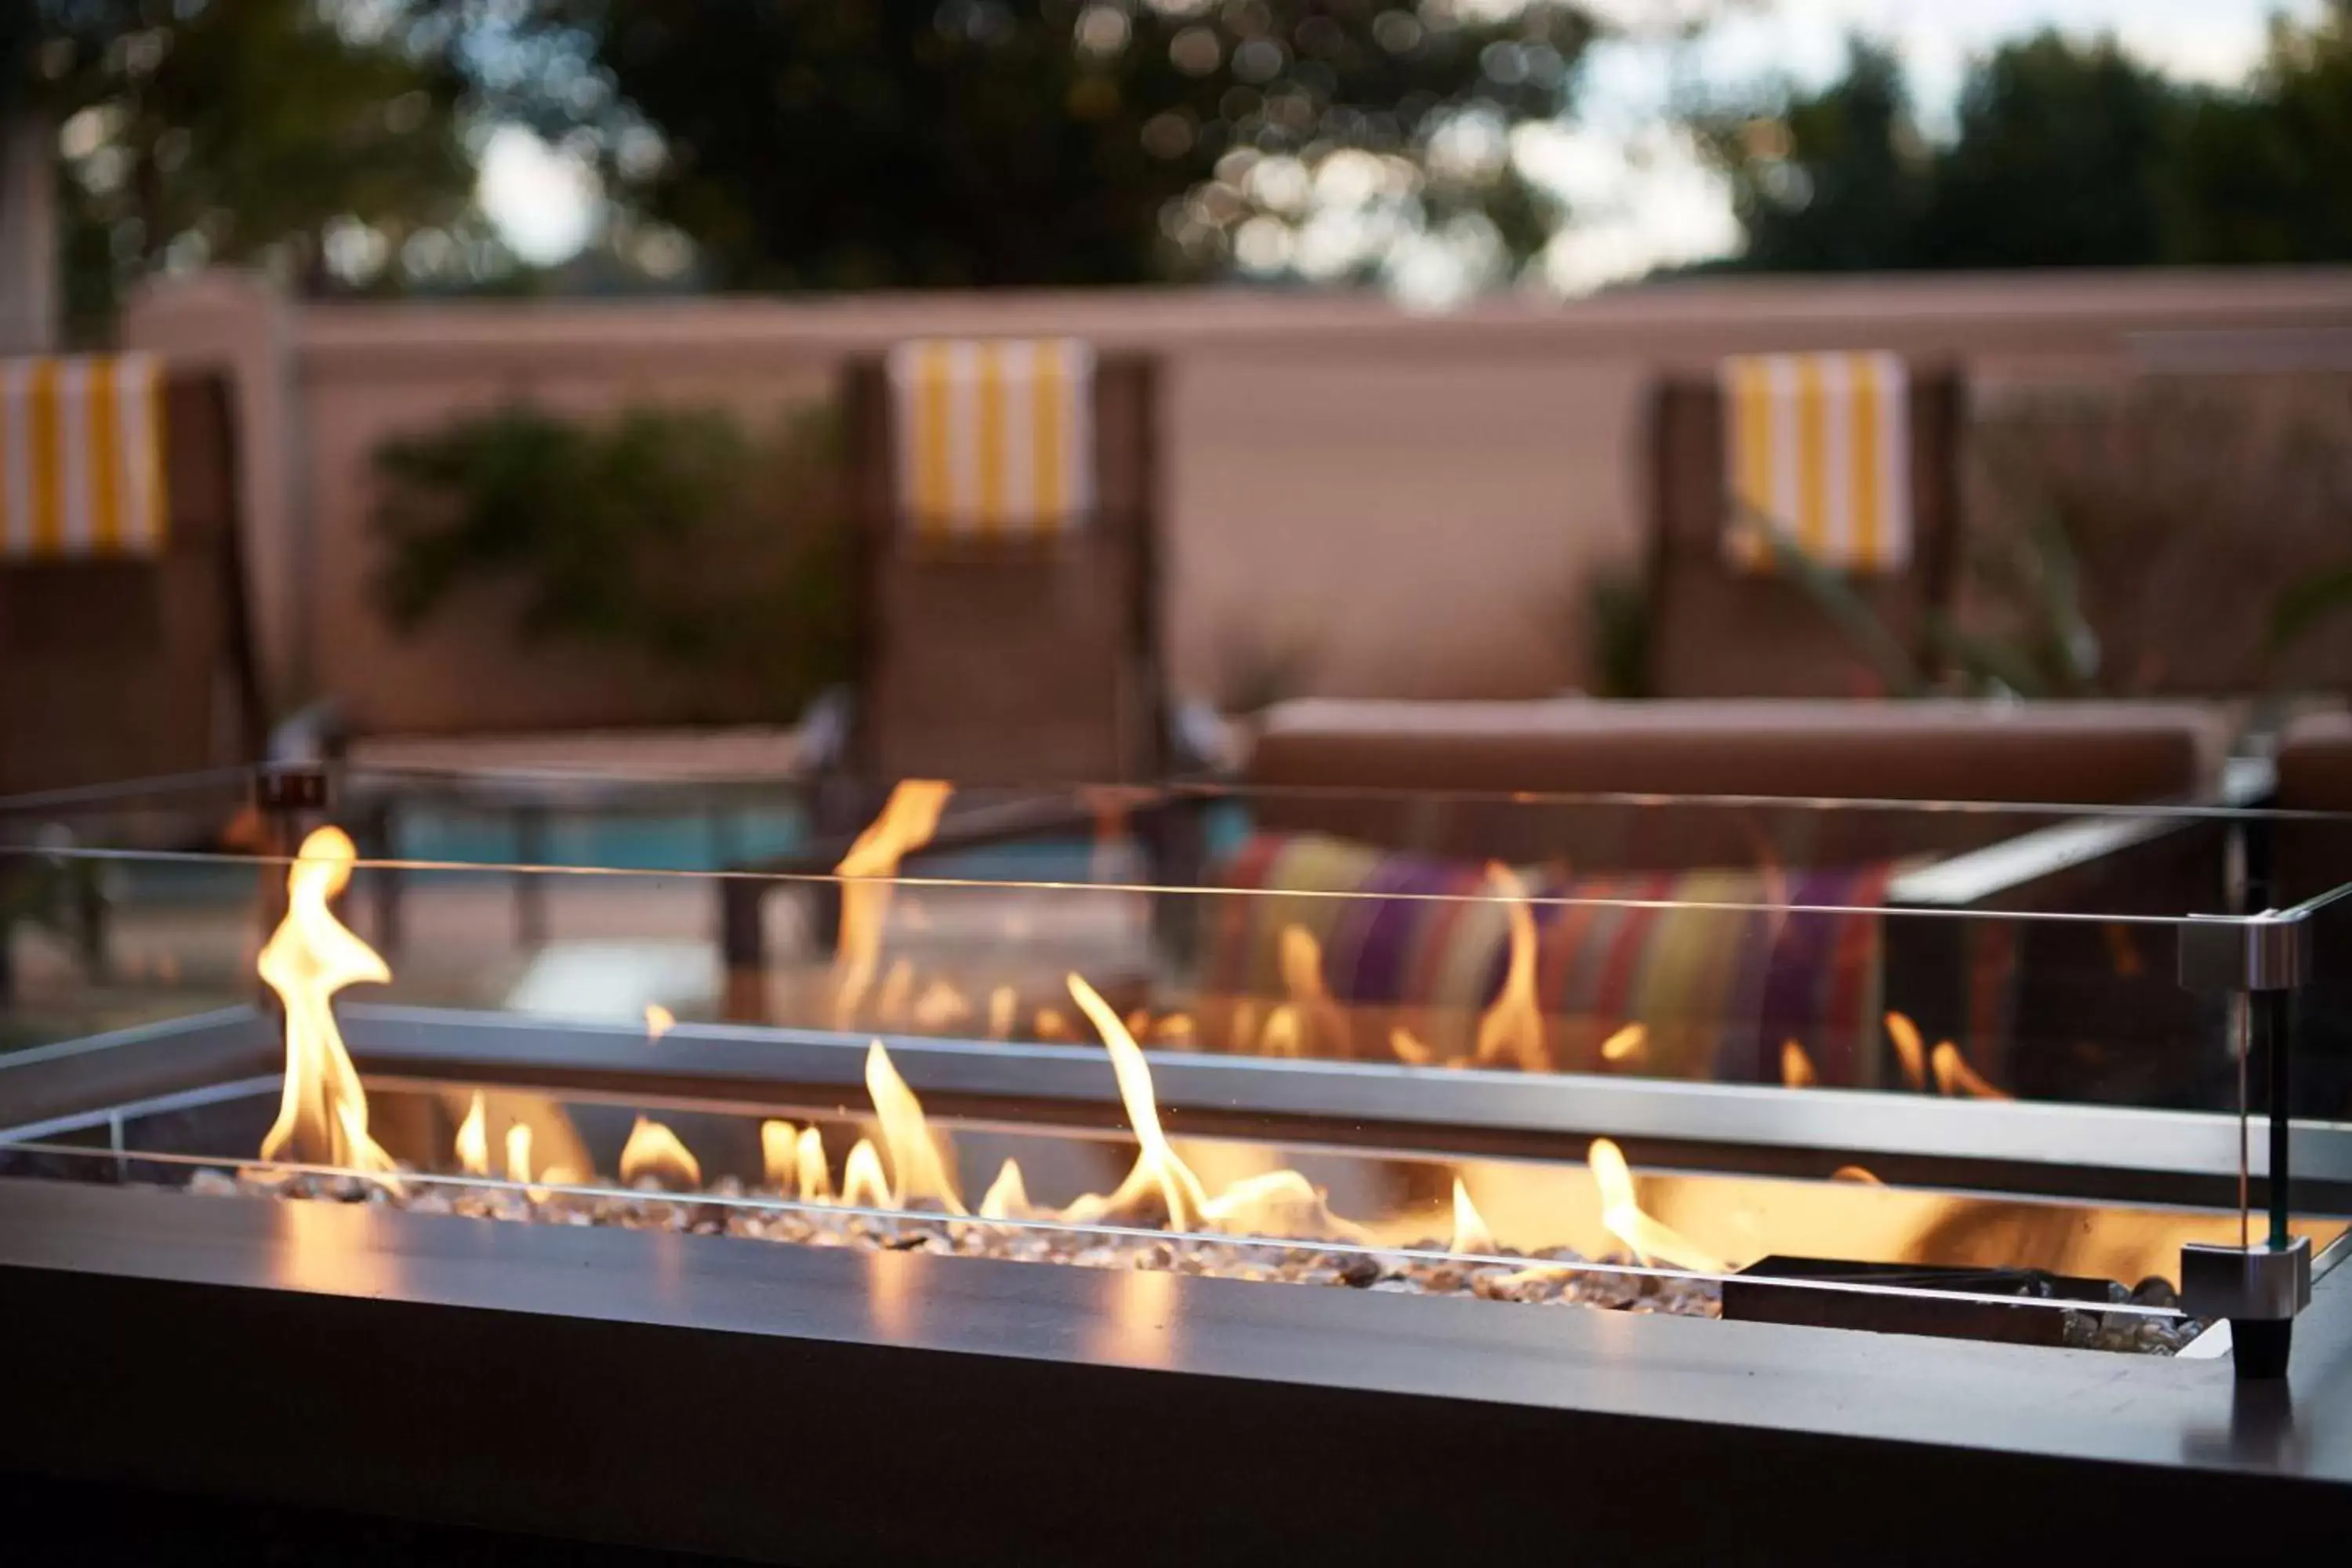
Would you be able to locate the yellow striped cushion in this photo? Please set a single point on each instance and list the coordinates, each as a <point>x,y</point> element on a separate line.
<point>994,438</point>
<point>1818,446</point>
<point>81,457</point>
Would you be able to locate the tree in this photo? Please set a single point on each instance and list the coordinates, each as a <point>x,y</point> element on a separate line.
<point>1836,182</point>
<point>2269,174</point>
<point>839,144</point>
<point>2065,154</point>
<point>310,136</point>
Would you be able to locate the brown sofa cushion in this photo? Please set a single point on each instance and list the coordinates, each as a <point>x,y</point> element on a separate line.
<point>2315,763</point>
<point>2075,753</point>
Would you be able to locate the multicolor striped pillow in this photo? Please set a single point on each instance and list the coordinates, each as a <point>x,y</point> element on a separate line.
<point>1714,964</point>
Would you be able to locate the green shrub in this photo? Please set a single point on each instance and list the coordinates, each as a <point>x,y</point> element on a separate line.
<point>666,531</point>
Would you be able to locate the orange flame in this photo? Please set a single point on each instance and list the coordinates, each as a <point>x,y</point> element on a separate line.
<point>654,1153</point>
<point>1278,1203</point>
<point>905,823</point>
<point>1954,1076</point>
<point>1908,1048</point>
<point>1176,1030</point>
<point>941,1007</point>
<point>1620,1213</point>
<point>1470,1232</point>
<point>1001,1004</point>
<point>921,1170</point>
<point>779,1150</point>
<point>474,1141</point>
<point>1049,1025</point>
<point>519,1151</point>
<point>1409,1048</point>
<point>813,1177</point>
<point>1317,1022</point>
<point>1156,1168</point>
<point>1855,1174</point>
<point>1283,1035</point>
<point>1512,1029</point>
<point>863,1185</point>
<point>1007,1196</point>
<point>1796,1066</point>
<point>890,1002</point>
<point>659,1021</point>
<point>1244,1034</point>
<point>1628,1042</point>
<point>323,1115</point>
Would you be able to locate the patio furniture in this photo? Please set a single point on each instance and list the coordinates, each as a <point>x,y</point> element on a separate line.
<point>1720,628</point>
<point>121,664</point>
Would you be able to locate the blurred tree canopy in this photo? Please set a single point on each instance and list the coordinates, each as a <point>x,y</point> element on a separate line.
<point>2065,153</point>
<point>841,144</point>
<point>307,136</point>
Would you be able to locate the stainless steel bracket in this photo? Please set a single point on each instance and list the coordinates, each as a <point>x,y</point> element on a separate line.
<point>2268,952</point>
<point>2257,1284</point>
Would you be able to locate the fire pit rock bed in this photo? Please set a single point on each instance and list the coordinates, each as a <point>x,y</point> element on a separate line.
<point>1550,1277</point>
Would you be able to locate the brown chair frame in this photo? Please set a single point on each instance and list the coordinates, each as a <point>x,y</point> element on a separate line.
<point>120,668</point>
<point>1717,632</point>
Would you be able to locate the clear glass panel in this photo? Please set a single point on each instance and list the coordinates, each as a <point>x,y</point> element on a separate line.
<point>1675,1088</point>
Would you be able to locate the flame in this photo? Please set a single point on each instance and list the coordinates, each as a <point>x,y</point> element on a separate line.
<point>1954,1076</point>
<point>322,1116</point>
<point>778,1148</point>
<point>905,823</point>
<point>812,1176</point>
<point>941,1007</point>
<point>1908,1048</point>
<point>1620,1211</point>
<point>1001,1002</point>
<point>1176,1030</point>
<point>659,1021</point>
<point>1278,1203</point>
<point>1855,1174</point>
<point>519,1151</point>
<point>653,1151</point>
<point>1513,1027</point>
<point>1317,1021</point>
<point>1470,1232</point>
<point>1628,1042</point>
<point>1409,1048</point>
<point>890,1002</point>
<point>1156,1164</point>
<point>922,1172</point>
<point>1796,1066</point>
<point>1283,1035</point>
<point>1007,1196</point>
<point>863,1185</point>
<point>1245,1027</point>
<point>474,1141</point>
<point>1050,1024</point>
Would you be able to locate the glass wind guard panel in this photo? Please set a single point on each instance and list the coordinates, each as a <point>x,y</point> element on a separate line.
<point>1815,1079</point>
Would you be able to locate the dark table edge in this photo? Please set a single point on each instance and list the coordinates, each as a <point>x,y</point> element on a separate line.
<point>802,1404</point>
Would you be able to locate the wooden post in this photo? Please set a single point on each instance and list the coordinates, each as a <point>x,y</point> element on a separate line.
<point>28,234</point>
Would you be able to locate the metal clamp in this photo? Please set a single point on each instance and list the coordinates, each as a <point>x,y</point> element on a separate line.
<point>2246,1284</point>
<point>291,786</point>
<point>2268,952</point>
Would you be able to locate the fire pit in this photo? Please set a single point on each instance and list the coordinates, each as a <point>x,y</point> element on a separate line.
<point>996,1082</point>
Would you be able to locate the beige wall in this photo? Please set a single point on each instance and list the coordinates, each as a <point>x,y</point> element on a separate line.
<point>1417,500</point>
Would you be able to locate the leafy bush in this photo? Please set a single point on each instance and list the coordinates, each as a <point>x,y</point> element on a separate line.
<point>668,532</point>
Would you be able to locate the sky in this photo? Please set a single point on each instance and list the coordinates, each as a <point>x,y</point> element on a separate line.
<point>1637,196</point>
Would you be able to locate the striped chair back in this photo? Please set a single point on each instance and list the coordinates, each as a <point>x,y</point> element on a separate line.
<point>993,440</point>
<point>125,648</point>
<point>82,459</point>
<point>1008,507</point>
<point>1869,490</point>
<point>1818,449</point>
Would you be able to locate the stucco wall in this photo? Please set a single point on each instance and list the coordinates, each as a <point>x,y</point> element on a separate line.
<point>1416,502</point>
